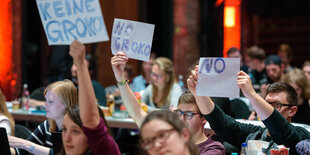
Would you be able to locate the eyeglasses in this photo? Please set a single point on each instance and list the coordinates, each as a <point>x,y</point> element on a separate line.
<point>278,105</point>
<point>186,114</point>
<point>162,136</point>
<point>158,76</point>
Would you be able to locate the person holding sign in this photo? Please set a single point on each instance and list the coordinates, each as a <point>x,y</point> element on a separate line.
<point>281,99</point>
<point>164,92</point>
<point>94,128</point>
<point>187,110</point>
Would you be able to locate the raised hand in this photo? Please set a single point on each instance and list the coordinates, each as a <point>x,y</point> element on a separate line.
<point>77,51</point>
<point>118,62</point>
<point>192,80</point>
<point>245,84</point>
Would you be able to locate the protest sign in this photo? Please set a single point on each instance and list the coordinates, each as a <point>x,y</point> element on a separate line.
<point>68,20</point>
<point>133,38</point>
<point>217,77</point>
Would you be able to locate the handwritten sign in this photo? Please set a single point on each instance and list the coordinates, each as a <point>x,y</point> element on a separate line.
<point>217,77</point>
<point>133,38</point>
<point>68,20</point>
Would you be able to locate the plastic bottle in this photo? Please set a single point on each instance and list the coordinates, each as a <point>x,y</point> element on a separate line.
<point>234,153</point>
<point>180,82</point>
<point>25,97</point>
<point>243,149</point>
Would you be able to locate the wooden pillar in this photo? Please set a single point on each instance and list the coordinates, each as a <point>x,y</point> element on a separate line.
<point>185,39</point>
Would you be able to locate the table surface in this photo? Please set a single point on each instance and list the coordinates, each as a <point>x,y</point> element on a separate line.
<point>114,122</point>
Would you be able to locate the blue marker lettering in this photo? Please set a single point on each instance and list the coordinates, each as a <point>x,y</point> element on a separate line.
<point>128,30</point>
<point>147,50</point>
<point>116,43</point>
<point>67,30</point>
<point>68,7</point>
<point>119,28</point>
<point>77,8</point>
<point>134,47</point>
<point>44,10</point>
<point>124,45</point>
<point>88,6</point>
<point>97,26</point>
<point>57,6</point>
<point>58,32</point>
<point>215,65</point>
<point>82,25</point>
<point>141,45</point>
<point>88,22</point>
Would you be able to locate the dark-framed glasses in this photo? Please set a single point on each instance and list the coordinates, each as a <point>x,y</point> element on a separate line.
<point>278,105</point>
<point>160,137</point>
<point>186,114</point>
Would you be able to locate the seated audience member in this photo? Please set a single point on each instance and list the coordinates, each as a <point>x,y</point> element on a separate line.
<point>164,92</point>
<point>99,90</point>
<point>235,53</point>
<point>303,147</point>
<point>6,119</point>
<point>187,110</point>
<point>140,82</point>
<point>276,113</point>
<point>258,74</point>
<point>60,96</point>
<point>285,53</point>
<point>298,80</point>
<point>306,69</point>
<point>95,133</point>
<point>275,72</point>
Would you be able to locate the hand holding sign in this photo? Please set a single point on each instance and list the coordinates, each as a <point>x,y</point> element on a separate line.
<point>133,38</point>
<point>68,20</point>
<point>245,84</point>
<point>118,63</point>
<point>217,77</point>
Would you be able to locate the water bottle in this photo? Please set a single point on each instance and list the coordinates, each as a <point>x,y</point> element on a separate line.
<point>25,97</point>
<point>243,149</point>
<point>181,83</point>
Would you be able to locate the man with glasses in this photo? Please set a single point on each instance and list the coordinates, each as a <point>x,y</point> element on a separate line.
<point>278,131</point>
<point>188,111</point>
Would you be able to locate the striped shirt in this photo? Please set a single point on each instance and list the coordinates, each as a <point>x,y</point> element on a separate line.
<point>41,136</point>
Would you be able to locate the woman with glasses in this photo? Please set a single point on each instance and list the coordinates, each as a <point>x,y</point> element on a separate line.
<point>164,92</point>
<point>298,80</point>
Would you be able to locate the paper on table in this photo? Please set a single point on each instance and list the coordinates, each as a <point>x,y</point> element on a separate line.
<point>133,38</point>
<point>217,77</point>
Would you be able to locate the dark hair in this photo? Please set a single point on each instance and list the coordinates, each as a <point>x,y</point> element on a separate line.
<point>172,119</point>
<point>74,115</point>
<point>279,87</point>
<point>273,60</point>
<point>91,62</point>
<point>232,50</point>
<point>256,52</point>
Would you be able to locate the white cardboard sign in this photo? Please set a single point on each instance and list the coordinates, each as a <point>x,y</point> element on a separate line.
<point>217,77</point>
<point>68,20</point>
<point>133,38</point>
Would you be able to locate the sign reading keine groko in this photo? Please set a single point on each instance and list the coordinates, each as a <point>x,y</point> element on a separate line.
<point>68,20</point>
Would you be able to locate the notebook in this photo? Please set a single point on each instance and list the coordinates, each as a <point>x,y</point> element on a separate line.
<point>4,143</point>
<point>57,142</point>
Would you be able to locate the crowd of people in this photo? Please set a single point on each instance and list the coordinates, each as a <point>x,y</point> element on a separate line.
<point>174,122</point>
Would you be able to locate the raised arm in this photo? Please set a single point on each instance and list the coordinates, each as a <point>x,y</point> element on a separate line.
<point>87,101</point>
<point>118,63</point>
<point>205,104</point>
<point>263,109</point>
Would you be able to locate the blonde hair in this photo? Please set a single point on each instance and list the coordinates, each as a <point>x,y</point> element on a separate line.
<point>67,92</point>
<point>166,65</point>
<point>298,77</point>
<point>4,111</point>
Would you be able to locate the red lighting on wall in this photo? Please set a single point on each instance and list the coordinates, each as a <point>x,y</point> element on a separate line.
<point>232,25</point>
<point>6,47</point>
